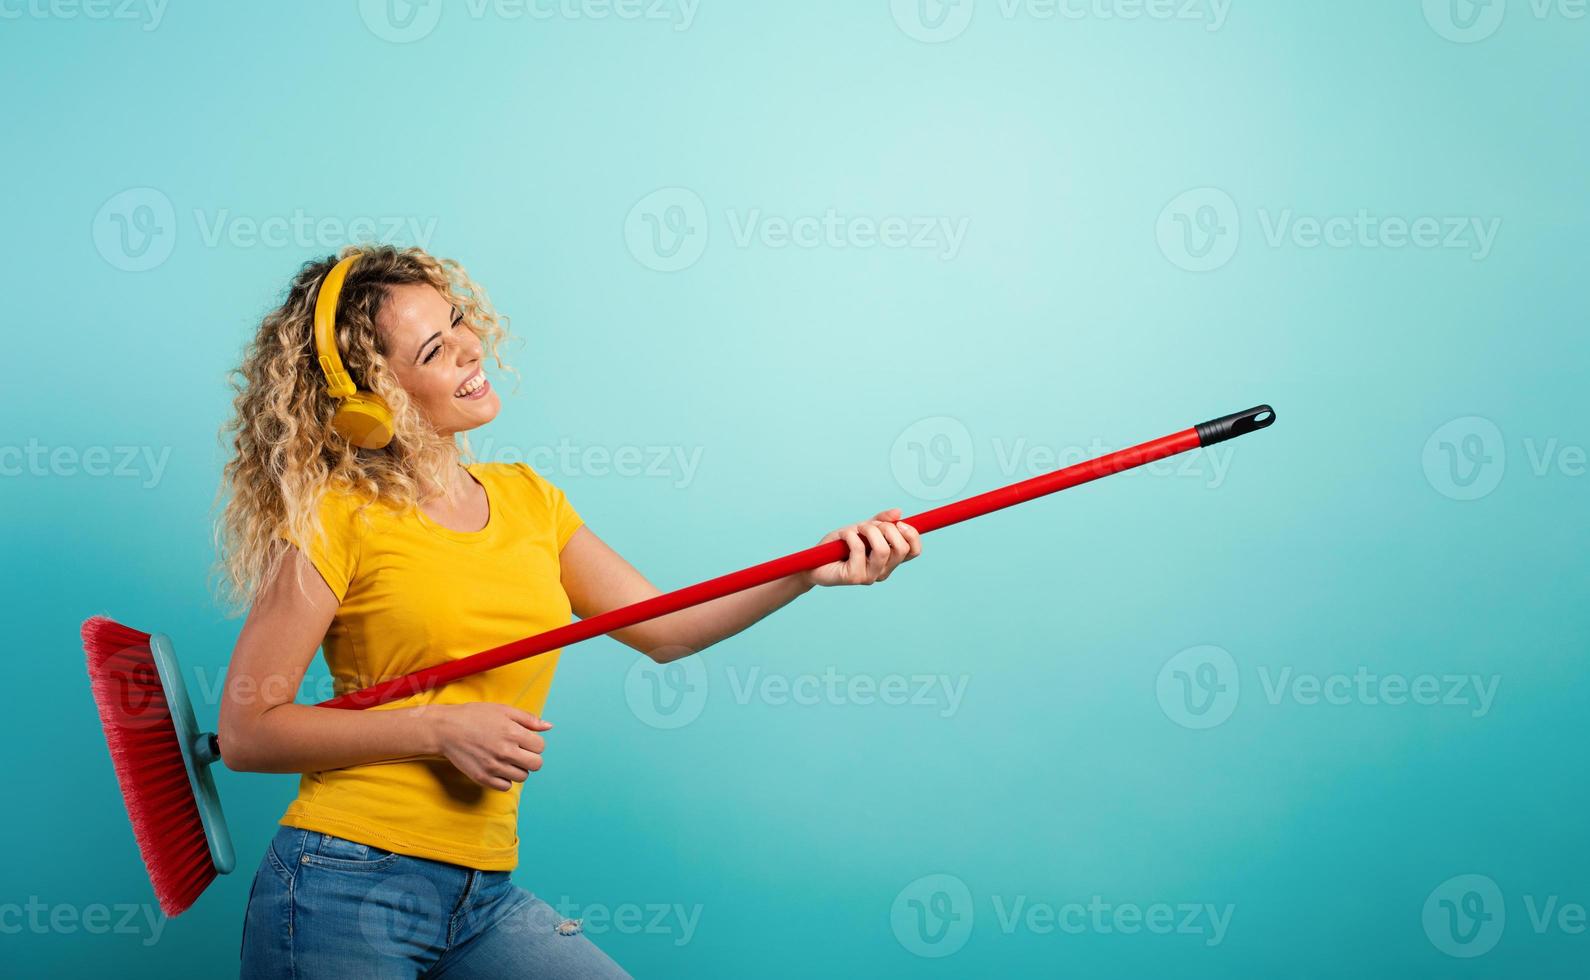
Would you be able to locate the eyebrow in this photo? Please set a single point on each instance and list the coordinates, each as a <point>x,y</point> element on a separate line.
<point>453,314</point>
<point>424,344</point>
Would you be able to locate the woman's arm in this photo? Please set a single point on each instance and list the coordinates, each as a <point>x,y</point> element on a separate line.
<point>262,730</point>
<point>597,579</point>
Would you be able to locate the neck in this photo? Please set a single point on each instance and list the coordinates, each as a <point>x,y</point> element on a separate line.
<point>453,470</point>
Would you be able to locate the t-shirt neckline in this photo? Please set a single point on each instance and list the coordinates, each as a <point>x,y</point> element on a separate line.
<point>491,513</point>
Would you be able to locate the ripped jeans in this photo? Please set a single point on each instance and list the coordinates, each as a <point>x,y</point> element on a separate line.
<point>322,906</point>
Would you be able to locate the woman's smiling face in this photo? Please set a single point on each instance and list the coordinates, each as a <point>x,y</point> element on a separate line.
<point>436,358</point>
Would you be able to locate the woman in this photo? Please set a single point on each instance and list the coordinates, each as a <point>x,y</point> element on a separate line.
<point>394,859</point>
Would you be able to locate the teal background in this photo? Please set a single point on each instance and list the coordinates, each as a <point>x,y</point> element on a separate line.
<point>800,833</point>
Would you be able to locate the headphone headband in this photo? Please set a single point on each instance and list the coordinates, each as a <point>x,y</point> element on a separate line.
<point>362,418</point>
<point>338,382</point>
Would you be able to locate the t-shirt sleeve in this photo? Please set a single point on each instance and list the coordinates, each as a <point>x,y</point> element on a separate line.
<point>335,552</point>
<point>565,519</point>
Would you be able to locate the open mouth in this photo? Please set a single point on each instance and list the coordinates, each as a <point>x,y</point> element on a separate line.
<point>474,387</point>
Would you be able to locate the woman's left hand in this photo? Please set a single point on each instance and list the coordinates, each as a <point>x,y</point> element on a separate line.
<point>892,541</point>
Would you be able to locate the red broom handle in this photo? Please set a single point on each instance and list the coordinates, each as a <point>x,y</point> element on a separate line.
<point>816,556</point>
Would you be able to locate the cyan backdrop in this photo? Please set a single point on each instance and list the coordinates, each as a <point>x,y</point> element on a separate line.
<point>1309,704</point>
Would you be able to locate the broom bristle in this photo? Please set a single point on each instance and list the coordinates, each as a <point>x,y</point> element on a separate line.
<point>143,748</point>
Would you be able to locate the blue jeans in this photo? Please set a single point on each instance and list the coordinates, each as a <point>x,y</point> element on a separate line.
<point>322,906</point>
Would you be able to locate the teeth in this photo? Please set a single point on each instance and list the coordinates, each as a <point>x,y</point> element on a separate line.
<point>472,385</point>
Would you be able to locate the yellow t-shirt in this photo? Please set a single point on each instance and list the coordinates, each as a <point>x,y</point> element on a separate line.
<point>412,593</point>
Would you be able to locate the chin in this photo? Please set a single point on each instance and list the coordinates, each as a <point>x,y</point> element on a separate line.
<point>481,414</point>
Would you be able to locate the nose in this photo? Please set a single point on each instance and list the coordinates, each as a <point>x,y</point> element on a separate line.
<point>469,349</point>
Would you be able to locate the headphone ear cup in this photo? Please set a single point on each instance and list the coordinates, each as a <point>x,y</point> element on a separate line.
<point>364,419</point>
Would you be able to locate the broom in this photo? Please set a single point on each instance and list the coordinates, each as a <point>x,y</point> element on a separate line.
<point>163,760</point>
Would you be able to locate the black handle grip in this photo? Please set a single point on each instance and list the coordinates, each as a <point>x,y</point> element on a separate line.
<point>1235,424</point>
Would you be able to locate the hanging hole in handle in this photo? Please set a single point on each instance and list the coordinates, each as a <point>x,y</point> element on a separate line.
<point>1235,424</point>
<point>1254,418</point>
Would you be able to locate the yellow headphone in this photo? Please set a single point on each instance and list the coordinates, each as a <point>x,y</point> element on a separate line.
<point>363,418</point>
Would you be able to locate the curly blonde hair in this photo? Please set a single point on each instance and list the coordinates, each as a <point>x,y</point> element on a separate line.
<point>285,454</point>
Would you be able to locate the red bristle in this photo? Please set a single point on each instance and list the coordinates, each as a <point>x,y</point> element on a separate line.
<point>143,748</point>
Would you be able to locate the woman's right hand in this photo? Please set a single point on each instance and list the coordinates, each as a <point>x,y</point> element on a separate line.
<point>496,745</point>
